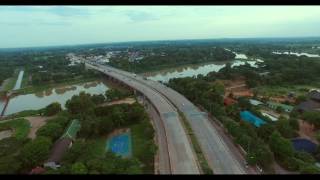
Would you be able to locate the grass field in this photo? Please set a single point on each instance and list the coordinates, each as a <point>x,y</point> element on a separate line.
<point>21,127</point>
<point>285,90</point>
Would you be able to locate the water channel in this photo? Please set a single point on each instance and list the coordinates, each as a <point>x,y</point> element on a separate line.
<point>39,100</point>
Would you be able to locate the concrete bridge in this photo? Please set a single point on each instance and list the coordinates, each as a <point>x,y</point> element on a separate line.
<point>176,155</point>
<point>222,154</point>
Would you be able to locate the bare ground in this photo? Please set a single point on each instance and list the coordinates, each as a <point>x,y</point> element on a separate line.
<point>5,134</point>
<point>36,122</point>
<point>121,101</point>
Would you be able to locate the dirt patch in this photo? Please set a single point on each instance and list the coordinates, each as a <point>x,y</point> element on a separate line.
<point>237,87</point>
<point>307,131</point>
<point>121,101</point>
<point>36,122</point>
<point>5,134</point>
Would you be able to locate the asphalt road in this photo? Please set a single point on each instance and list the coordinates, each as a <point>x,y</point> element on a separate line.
<point>181,155</point>
<point>222,156</point>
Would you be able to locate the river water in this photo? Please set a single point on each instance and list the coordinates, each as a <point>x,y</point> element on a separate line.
<point>297,54</point>
<point>194,70</point>
<point>19,80</point>
<point>40,100</point>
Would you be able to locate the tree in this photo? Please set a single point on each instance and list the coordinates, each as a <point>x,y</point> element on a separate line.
<point>283,126</point>
<point>98,99</point>
<point>265,131</point>
<point>35,152</point>
<point>80,104</point>
<point>310,169</point>
<point>294,123</point>
<point>51,130</point>
<point>79,168</point>
<point>281,147</point>
<point>9,165</point>
<point>312,117</point>
<point>52,109</point>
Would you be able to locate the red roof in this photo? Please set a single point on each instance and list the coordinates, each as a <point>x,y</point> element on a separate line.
<point>37,170</point>
<point>229,101</point>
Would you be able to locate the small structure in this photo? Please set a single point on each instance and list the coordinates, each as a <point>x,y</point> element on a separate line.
<point>229,101</point>
<point>62,145</point>
<point>255,102</point>
<point>271,117</point>
<point>274,105</point>
<point>37,170</point>
<point>301,144</point>
<point>312,104</point>
<point>251,118</point>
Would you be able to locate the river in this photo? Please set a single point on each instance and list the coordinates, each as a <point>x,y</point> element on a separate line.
<point>194,70</point>
<point>40,100</point>
<point>297,54</point>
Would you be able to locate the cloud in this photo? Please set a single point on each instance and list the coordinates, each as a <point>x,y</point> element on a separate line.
<point>140,16</point>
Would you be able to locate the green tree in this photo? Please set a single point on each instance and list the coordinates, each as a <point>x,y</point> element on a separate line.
<point>79,168</point>
<point>281,147</point>
<point>51,130</point>
<point>283,126</point>
<point>80,104</point>
<point>98,99</point>
<point>52,109</point>
<point>35,152</point>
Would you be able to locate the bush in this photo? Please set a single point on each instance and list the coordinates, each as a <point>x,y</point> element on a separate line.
<point>51,130</point>
<point>52,109</point>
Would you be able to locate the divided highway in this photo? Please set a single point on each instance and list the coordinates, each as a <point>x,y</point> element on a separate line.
<point>181,158</point>
<point>222,156</point>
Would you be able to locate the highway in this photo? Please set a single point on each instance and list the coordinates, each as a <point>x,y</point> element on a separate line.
<point>222,155</point>
<point>182,159</point>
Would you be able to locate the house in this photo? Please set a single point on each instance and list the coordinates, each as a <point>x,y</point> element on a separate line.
<point>312,104</point>
<point>37,170</point>
<point>274,105</point>
<point>255,102</point>
<point>251,118</point>
<point>62,145</point>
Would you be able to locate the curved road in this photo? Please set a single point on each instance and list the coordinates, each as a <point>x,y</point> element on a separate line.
<point>182,159</point>
<point>222,155</point>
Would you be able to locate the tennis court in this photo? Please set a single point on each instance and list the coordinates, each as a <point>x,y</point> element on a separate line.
<point>120,144</point>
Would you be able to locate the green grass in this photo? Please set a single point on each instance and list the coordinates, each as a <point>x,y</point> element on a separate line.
<point>202,160</point>
<point>284,90</point>
<point>20,126</point>
<point>24,114</point>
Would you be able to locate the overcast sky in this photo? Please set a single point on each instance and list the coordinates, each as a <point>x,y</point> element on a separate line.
<point>24,26</point>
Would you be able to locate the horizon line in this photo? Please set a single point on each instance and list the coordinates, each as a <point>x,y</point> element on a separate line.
<point>135,41</point>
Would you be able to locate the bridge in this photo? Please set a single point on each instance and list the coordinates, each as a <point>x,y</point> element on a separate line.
<point>175,151</point>
<point>222,155</point>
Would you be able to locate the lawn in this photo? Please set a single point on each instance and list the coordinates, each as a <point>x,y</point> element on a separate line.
<point>20,126</point>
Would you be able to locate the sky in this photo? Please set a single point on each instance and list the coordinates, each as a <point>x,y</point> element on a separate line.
<point>28,26</point>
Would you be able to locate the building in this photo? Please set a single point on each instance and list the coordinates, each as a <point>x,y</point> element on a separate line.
<point>251,118</point>
<point>274,105</point>
<point>62,145</point>
<point>255,102</point>
<point>312,104</point>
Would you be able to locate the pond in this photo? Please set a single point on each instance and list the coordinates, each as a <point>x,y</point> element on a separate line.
<point>41,99</point>
<point>297,54</point>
